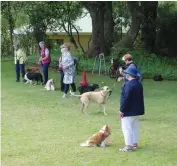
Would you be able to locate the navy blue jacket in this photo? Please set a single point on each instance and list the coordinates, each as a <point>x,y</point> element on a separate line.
<point>132,99</point>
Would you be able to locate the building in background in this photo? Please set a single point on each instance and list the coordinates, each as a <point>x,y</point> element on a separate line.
<point>59,36</point>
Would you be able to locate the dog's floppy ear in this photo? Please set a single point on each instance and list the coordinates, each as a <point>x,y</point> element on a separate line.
<point>108,129</point>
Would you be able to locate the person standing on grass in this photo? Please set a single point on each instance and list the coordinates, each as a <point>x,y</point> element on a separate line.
<point>19,58</point>
<point>131,107</point>
<point>128,59</point>
<point>62,85</point>
<point>44,60</point>
<point>69,69</point>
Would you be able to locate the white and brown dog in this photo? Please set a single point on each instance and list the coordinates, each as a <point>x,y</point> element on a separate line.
<point>100,139</point>
<point>99,97</point>
<point>50,85</point>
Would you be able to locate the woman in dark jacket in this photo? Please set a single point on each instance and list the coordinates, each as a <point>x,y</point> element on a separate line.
<point>131,107</point>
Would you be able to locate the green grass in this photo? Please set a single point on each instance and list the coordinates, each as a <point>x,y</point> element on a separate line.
<point>41,129</point>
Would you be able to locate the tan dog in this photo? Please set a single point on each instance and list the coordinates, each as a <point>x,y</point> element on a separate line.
<point>99,97</point>
<point>99,139</point>
<point>32,69</point>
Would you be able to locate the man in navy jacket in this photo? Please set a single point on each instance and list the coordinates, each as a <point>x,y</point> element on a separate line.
<point>131,106</point>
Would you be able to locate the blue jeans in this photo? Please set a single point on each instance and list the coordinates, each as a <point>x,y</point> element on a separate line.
<point>20,68</point>
<point>45,71</point>
<point>62,85</point>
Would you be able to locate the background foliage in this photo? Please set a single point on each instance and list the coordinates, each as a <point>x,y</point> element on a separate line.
<point>38,16</point>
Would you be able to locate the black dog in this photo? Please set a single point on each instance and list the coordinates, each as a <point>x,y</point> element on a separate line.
<point>158,77</point>
<point>31,76</point>
<point>83,89</point>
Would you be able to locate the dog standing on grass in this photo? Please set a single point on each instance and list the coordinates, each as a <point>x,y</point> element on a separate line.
<point>99,97</point>
<point>32,76</point>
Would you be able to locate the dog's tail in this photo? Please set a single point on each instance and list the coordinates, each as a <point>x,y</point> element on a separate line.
<point>74,94</point>
<point>84,144</point>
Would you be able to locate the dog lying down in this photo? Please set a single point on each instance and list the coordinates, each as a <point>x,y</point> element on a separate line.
<point>99,97</point>
<point>100,139</point>
<point>50,85</point>
<point>30,77</point>
<point>83,89</point>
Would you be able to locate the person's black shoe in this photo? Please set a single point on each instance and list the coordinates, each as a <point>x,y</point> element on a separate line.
<point>17,80</point>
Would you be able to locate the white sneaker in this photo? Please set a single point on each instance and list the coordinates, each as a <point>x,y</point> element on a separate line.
<point>64,96</point>
<point>72,93</point>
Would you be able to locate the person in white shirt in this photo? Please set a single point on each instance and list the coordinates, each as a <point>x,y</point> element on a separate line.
<point>19,59</point>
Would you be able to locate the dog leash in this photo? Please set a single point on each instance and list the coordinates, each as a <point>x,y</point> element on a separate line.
<point>111,87</point>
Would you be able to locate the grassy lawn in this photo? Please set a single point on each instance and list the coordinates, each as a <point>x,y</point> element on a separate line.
<point>41,129</point>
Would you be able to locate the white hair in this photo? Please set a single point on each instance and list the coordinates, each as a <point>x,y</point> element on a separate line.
<point>42,42</point>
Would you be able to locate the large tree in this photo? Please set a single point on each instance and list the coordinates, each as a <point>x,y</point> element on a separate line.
<point>102,27</point>
<point>7,12</point>
<point>148,29</point>
<point>136,20</point>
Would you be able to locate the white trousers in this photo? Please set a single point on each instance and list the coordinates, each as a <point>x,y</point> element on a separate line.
<point>130,128</point>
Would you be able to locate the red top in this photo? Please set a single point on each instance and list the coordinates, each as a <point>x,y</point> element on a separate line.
<point>48,60</point>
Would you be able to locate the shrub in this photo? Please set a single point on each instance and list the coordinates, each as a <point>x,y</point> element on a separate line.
<point>150,64</point>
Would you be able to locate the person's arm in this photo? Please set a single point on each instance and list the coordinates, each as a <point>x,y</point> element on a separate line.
<point>122,73</point>
<point>125,98</point>
<point>60,63</point>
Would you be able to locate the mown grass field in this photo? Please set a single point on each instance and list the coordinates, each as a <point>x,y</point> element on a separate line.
<point>41,129</point>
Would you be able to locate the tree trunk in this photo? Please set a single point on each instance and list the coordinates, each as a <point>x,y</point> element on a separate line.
<point>39,33</point>
<point>108,26</point>
<point>102,43</point>
<point>78,39</point>
<point>72,40</point>
<point>94,11</point>
<point>136,19</point>
<point>148,34</point>
<point>69,32</point>
<point>11,26</point>
<point>100,27</point>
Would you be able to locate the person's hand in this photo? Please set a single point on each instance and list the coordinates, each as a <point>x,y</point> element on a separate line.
<point>119,79</point>
<point>120,70</point>
<point>121,115</point>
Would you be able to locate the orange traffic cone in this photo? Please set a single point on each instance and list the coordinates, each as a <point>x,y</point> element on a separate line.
<point>84,79</point>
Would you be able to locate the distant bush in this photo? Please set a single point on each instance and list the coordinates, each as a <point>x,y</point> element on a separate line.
<point>150,64</point>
